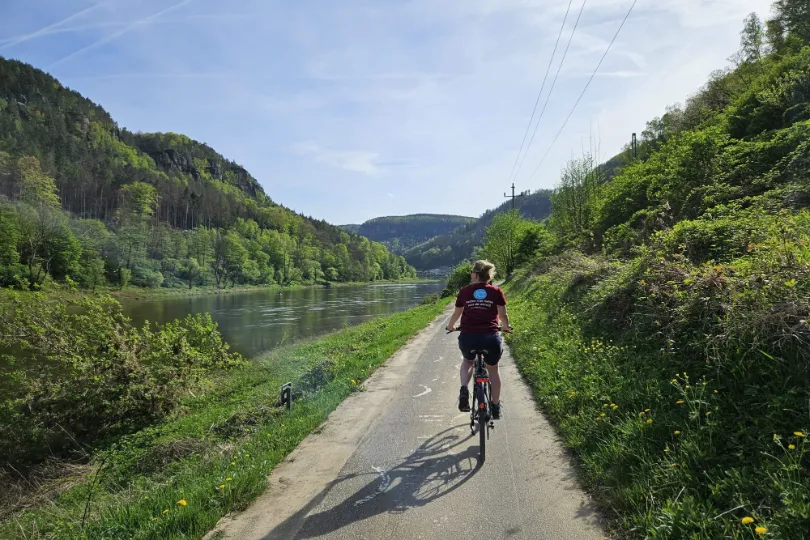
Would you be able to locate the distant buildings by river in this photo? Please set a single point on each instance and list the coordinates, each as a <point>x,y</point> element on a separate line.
<point>433,273</point>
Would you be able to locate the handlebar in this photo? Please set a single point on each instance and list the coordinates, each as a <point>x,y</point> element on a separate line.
<point>500,329</point>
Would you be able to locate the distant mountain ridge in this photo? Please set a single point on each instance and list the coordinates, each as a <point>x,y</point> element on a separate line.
<point>399,233</point>
<point>449,249</point>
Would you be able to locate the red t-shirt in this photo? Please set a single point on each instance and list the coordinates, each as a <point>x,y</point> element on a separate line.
<point>480,302</point>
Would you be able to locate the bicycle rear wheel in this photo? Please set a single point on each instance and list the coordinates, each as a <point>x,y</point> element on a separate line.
<point>482,422</point>
<point>473,411</point>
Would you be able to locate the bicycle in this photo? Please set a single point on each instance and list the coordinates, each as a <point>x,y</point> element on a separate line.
<point>481,409</point>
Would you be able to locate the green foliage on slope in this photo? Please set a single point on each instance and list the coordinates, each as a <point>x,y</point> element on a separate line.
<point>665,330</point>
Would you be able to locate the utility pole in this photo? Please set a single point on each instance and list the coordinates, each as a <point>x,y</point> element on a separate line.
<point>635,147</point>
<point>513,196</point>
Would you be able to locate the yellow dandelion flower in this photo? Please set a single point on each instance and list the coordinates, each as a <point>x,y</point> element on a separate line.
<point>222,486</point>
<point>674,465</point>
<point>572,394</point>
<point>679,402</point>
<point>677,432</point>
<point>182,502</point>
<point>747,520</point>
<point>761,530</point>
<point>247,455</point>
<point>641,413</point>
<point>154,518</point>
<point>606,405</point>
<point>673,381</point>
<point>791,447</point>
<point>614,407</point>
<point>666,449</point>
<point>715,391</point>
<point>646,410</point>
<point>228,479</point>
<point>649,420</point>
<point>233,463</point>
<point>166,511</point>
<point>603,414</point>
<point>775,437</point>
<point>799,434</point>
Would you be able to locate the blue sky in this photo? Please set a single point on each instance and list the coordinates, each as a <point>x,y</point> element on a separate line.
<point>352,109</point>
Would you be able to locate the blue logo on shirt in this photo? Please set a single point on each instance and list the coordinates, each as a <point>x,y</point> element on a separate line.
<point>480,294</point>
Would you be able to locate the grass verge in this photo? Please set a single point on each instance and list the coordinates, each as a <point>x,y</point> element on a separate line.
<point>175,480</point>
<point>681,428</point>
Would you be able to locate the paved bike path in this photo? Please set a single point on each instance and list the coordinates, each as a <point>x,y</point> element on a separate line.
<point>398,461</point>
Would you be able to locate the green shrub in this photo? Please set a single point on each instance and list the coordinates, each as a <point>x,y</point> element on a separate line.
<point>460,277</point>
<point>82,373</point>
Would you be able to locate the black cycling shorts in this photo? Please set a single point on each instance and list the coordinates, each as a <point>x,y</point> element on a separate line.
<point>491,344</point>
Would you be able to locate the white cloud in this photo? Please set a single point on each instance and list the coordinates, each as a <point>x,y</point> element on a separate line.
<point>349,160</point>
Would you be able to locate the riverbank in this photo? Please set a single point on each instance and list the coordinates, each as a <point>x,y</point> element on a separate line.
<point>58,291</point>
<point>134,293</point>
<point>213,454</point>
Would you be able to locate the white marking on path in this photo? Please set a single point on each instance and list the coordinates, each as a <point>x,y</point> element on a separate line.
<point>426,392</point>
<point>386,481</point>
<point>439,360</point>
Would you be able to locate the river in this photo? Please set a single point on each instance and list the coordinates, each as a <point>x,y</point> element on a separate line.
<point>257,321</point>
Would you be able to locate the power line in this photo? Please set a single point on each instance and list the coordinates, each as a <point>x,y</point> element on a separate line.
<point>585,89</point>
<point>553,84</point>
<point>542,87</point>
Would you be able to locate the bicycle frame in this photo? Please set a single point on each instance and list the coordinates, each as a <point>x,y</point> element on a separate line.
<point>480,414</point>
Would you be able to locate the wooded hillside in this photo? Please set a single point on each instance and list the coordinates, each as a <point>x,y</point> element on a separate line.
<point>82,198</point>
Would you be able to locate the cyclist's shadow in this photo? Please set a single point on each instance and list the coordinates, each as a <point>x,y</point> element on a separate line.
<point>439,466</point>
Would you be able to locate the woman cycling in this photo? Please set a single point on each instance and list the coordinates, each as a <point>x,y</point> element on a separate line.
<point>480,305</point>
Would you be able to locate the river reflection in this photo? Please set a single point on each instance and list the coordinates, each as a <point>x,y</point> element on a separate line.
<point>253,322</point>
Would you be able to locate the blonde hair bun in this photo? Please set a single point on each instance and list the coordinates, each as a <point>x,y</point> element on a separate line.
<point>485,270</point>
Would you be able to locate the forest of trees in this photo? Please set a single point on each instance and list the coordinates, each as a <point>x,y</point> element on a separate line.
<point>82,199</point>
<point>460,243</point>
<point>399,233</point>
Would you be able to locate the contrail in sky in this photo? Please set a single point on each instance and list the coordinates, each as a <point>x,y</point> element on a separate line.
<point>46,30</point>
<point>115,35</point>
